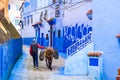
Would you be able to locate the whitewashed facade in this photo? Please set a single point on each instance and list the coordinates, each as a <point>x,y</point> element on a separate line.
<point>77,27</point>
<point>34,13</point>
<point>14,13</point>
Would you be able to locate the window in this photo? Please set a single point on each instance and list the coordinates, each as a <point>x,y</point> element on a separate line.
<point>46,15</point>
<point>24,21</point>
<point>93,61</point>
<point>41,16</point>
<point>8,6</point>
<point>46,36</point>
<point>22,24</point>
<point>17,7</point>
<point>28,20</point>
<point>22,9</point>
<point>54,1</point>
<point>57,10</point>
<point>16,22</point>
<point>58,33</point>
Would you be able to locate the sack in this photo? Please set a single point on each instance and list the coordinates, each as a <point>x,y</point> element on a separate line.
<point>56,55</point>
<point>34,48</point>
<point>41,56</point>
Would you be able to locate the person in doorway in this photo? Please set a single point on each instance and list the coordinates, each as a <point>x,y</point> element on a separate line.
<point>34,52</point>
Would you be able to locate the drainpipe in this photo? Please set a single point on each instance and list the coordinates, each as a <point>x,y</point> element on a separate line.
<point>51,23</point>
<point>51,35</point>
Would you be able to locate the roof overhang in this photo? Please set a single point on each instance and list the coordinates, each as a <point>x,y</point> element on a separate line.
<point>37,23</point>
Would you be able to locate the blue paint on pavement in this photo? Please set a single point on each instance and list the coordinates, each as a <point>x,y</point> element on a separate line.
<point>19,69</point>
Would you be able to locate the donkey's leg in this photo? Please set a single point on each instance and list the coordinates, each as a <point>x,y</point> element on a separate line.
<point>50,64</point>
<point>46,59</point>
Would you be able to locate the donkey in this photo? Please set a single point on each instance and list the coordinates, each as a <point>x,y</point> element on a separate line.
<point>49,54</point>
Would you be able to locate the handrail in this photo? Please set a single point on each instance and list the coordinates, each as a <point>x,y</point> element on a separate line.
<point>77,46</point>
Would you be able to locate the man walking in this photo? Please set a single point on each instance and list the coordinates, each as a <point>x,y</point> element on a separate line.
<point>34,52</point>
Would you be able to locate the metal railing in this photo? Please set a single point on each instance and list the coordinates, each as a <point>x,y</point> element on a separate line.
<point>80,44</point>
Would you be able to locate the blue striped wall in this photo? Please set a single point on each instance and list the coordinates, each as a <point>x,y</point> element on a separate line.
<point>9,53</point>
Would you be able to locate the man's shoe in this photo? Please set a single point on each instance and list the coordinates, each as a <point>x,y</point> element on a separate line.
<point>37,67</point>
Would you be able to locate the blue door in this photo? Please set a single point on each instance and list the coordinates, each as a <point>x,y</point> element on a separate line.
<point>38,35</point>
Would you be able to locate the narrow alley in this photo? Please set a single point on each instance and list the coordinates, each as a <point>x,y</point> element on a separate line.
<point>88,46</point>
<point>24,70</point>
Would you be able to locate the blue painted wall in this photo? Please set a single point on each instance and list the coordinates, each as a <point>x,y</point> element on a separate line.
<point>0,62</point>
<point>27,41</point>
<point>59,44</point>
<point>9,53</point>
<point>75,32</point>
<point>106,24</point>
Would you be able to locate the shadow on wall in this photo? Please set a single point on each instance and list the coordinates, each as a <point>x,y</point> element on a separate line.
<point>7,30</point>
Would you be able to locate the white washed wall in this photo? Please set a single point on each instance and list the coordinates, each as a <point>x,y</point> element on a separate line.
<point>77,13</point>
<point>28,32</point>
<point>78,63</point>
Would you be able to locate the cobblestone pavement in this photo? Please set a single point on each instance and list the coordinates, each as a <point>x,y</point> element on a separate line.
<point>24,70</point>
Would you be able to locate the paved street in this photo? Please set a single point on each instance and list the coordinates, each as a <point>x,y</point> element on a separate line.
<point>24,70</point>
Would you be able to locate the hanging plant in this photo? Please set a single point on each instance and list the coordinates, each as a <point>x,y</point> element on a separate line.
<point>118,35</point>
<point>94,54</point>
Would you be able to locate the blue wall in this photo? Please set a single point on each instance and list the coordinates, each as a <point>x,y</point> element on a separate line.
<point>9,53</point>
<point>58,42</point>
<point>42,41</point>
<point>106,24</point>
<point>0,62</point>
<point>27,41</point>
